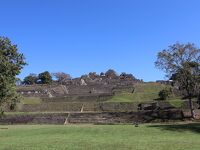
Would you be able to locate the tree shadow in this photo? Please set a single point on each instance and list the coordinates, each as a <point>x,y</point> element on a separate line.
<point>192,127</point>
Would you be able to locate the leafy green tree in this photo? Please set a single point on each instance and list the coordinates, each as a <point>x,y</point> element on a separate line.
<point>181,63</point>
<point>45,78</point>
<point>30,79</point>
<point>11,63</point>
<point>188,79</point>
<point>18,82</point>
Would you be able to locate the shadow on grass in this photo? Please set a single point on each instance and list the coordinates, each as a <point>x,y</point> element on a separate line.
<point>192,127</point>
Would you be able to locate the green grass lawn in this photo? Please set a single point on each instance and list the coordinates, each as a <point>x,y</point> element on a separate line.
<point>100,137</point>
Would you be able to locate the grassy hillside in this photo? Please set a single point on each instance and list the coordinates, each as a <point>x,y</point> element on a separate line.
<point>146,92</point>
<point>98,137</point>
<point>143,92</point>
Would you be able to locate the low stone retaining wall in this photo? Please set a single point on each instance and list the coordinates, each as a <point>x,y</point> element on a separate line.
<point>51,107</point>
<point>98,106</point>
<point>111,106</point>
<point>68,107</point>
<point>94,117</point>
<point>42,118</point>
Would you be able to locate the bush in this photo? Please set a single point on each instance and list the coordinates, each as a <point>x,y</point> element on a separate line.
<point>164,94</point>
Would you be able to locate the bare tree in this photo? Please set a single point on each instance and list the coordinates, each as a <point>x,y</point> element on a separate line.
<point>62,77</point>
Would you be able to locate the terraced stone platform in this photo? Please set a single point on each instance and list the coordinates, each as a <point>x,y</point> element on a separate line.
<point>92,106</point>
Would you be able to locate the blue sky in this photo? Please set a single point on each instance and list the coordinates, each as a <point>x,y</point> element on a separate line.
<point>81,36</point>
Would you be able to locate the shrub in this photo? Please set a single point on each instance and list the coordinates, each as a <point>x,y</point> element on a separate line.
<point>164,94</point>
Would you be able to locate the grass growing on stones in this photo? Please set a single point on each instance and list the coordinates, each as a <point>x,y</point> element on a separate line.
<point>98,137</point>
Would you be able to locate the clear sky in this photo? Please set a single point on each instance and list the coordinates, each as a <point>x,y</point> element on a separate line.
<point>81,36</point>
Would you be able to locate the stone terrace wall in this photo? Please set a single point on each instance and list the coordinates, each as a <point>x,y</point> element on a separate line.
<point>111,106</point>
<point>77,107</point>
<point>96,106</point>
<point>50,118</point>
<point>94,117</point>
<point>80,98</point>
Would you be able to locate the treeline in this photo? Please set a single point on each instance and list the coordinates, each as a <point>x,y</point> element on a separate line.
<point>42,78</point>
<point>62,78</point>
<point>45,78</point>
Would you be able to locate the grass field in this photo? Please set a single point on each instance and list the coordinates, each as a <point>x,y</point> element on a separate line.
<point>100,137</point>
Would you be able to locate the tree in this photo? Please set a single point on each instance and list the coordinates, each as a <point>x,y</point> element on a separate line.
<point>30,79</point>
<point>124,75</point>
<point>181,63</point>
<point>93,75</point>
<point>45,77</point>
<point>11,63</point>
<point>188,79</point>
<point>111,73</point>
<point>18,82</point>
<point>102,74</point>
<point>62,77</point>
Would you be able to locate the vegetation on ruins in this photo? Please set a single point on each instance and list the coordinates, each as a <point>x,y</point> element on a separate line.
<point>111,73</point>
<point>65,79</point>
<point>61,77</point>
<point>45,78</point>
<point>124,75</point>
<point>42,78</point>
<point>181,62</point>
<point>30,79</point>
<point>11,63</point>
